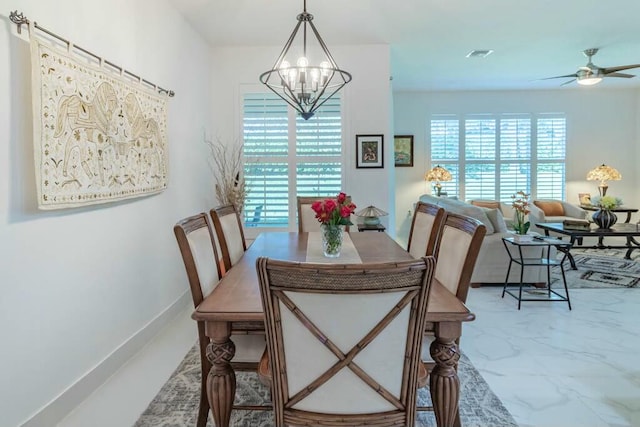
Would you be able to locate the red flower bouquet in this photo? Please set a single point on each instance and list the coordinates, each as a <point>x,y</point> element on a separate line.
<point>334,211</point>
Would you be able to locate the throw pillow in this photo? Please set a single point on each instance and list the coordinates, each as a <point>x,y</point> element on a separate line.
<point>491,204</point>
<point>550,208</point>
<point>497,220</point>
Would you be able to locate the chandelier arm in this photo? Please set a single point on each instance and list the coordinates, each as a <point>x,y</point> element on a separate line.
<point>325,99</point>
<point>287,45</point>
<point>323,45</point>
<point>286,99</point>
<point>304,39</point>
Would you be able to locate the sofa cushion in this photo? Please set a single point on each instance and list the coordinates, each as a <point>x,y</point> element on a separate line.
<point>497,220</point>
<point>550,208</point>
<point>462,208</point>
<point>491,204</point>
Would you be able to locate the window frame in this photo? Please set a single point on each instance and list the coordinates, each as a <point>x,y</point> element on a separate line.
<point>292,159</point>
<point>458,165</point>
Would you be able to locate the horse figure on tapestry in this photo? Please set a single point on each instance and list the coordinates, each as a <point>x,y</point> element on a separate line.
<point>86,122</point>
<point>145,139</point>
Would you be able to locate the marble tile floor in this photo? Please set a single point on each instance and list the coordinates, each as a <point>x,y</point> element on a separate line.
<point>554,367</point>
<point>551,367</point>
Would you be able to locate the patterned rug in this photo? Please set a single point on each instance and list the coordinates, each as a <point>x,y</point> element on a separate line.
<point>176,404</point>
<point>600,268</point>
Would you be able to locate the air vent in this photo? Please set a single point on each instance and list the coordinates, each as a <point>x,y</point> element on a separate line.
<point>479,53</point>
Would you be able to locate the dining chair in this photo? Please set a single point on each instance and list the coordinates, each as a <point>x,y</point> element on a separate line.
<point>228,226</point>
<point>334,363</point>
<point>456,252</point>
<point>307,220</point>
<point>425,227</point>
<point>457,249</point>
<point>197,245</point>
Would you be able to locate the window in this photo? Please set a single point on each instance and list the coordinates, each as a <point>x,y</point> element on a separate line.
<point>494,156</point>
<point>286,156</point>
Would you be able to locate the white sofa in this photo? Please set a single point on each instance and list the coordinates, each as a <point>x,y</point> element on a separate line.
<point>493,260</point>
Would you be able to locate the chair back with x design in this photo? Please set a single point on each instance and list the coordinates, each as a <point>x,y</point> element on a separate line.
<point>344,340</point>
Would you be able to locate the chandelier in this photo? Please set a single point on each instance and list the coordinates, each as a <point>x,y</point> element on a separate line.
<point>313,78</point>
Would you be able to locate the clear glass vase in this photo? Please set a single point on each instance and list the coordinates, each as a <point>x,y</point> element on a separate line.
<point>332,239</point>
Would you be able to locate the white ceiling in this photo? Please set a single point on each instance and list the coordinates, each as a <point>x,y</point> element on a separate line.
<point>429,39</point>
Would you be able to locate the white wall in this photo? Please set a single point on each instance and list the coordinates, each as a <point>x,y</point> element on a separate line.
<point>602,127</point>
<point>367,109</point>
<point>76,284</point>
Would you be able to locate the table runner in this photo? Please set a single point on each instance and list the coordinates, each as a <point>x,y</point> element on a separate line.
<point>348,254</point>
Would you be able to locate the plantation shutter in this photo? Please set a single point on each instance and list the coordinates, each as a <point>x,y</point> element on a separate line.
<point>499,155</point>
<point>515,157</point>
<point>319,151</point>
<point>445,149</point>
<point>480,158</point>
<point>281,164</point>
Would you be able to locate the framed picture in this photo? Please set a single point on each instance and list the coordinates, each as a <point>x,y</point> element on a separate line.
<point>585,199</point>
<point>369,151</point>
<point>403,150</point>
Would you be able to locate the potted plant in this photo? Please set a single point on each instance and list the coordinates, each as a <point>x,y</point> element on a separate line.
<point>520,204</point>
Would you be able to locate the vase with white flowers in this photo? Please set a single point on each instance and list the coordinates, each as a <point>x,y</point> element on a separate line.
<point>520,204</point>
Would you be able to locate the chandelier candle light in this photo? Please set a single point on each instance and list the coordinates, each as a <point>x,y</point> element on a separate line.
<point>603,173</point>
<point>438,174</point>
<point>310,80</point>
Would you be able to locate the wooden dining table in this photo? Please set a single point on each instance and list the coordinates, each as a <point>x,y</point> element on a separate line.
<point>237,300</point>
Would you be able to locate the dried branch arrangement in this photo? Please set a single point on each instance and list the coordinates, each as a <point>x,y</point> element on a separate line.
<point>225,162</point>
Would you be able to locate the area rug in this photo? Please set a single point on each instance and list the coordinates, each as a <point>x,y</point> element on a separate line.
<point>599,268</point>
<point>176,404</point>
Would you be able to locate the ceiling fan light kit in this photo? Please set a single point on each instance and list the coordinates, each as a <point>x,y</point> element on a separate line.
<point>591,74</point>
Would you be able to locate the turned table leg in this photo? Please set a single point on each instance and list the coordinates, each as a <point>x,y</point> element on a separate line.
<point>221,381</point>
<point>443,380</point>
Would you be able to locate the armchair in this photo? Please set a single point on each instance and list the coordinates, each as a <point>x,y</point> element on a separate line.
<point>553,211</point>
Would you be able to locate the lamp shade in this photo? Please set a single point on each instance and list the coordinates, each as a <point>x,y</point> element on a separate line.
<point>604,173</point>
<point>438,174</point>
<point>371,215</point>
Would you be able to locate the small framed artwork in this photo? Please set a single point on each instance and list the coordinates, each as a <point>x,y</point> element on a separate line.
<point>369,151</point>
<point>585,199</point>
<point>403,150</point>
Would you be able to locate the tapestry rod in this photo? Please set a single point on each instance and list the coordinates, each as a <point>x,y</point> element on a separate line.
<point>19,19</point>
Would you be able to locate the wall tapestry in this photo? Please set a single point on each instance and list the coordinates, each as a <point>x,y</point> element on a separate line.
<point>98,136</point>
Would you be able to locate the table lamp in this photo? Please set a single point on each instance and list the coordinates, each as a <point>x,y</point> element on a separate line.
<point>371,215</point>
<point>603,173</point>
<point>438,174</point>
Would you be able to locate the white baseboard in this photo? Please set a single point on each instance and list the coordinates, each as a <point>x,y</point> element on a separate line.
<point>52,413</point>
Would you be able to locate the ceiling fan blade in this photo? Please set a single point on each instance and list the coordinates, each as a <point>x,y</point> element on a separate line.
<point>626,76</point>
<point>609,70</point>
<point>567,82</point>
<point>560,77</point>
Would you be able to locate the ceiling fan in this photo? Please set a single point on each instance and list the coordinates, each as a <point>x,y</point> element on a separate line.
<point>591,74</point>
